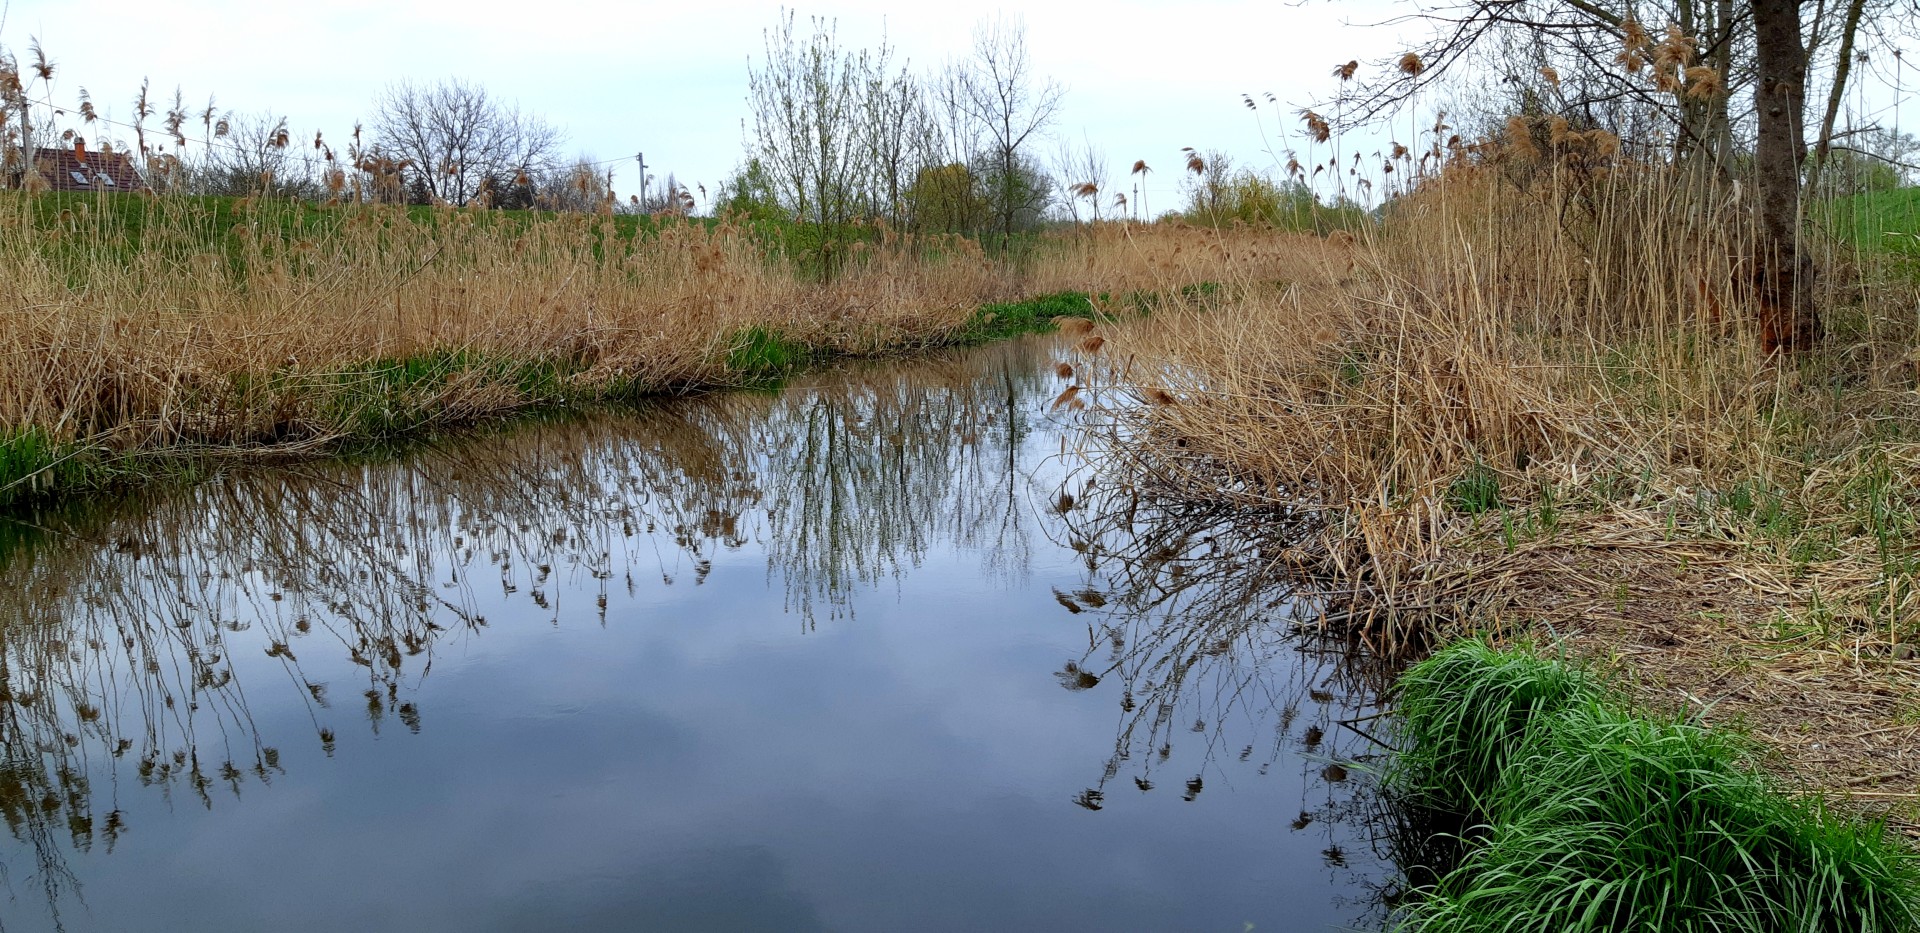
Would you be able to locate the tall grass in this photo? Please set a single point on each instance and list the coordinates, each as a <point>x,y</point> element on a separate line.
<point>1511,336</point>
<point>1596,818</point>
<point>1886,220</point>
<point>142,324</point>
<point>1539,392</point>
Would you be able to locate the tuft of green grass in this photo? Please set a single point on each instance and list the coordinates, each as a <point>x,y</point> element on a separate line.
<point>1352,368</point>
<point>1466,711</point>
<point>34,465</point>
<point>762,355</point>
<point>1475,491</point>
<point>1595,817</point>
<point>1031,316</point>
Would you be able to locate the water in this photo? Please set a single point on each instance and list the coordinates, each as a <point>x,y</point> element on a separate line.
<point>837,658</point>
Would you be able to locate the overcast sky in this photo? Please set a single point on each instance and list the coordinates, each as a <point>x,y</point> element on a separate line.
<point>1143,78</point>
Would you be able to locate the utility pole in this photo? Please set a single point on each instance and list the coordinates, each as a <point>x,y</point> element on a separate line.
<point>641,158</point>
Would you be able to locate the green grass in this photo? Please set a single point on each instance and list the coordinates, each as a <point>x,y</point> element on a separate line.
<point>761,356</point>
<point>32,463</point>
<point>1031,316</point>
<point>1880,224</point>
<point>1463,713</point>
<point>1880,220</point>
<point>1475,491</point>
<point>1595,817</point>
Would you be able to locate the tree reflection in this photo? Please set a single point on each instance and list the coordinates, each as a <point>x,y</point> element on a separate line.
<point>130,641</point>
<point>1192,612</point>
<point>119,632</point>
<point>874,472</point>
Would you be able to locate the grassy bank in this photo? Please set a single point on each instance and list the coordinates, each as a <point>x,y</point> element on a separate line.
<point>1591,815</point>
<point>1534,397</point>
<point>138,330</point>
<point>1879,221</point>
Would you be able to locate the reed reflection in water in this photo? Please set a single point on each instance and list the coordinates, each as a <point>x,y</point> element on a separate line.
<point>250,650</point>
<point>1223,673</point>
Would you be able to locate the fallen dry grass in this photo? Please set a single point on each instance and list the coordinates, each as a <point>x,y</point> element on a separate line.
<point>1542,407</point>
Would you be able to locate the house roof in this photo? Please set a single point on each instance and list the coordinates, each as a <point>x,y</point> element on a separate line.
<point>68,170</point>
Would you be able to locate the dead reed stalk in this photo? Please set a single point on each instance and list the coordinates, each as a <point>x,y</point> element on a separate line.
<point>168,323</point>
<point>1538,398</point>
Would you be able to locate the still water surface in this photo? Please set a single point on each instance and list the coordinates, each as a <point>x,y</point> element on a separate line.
<point>837,658</point>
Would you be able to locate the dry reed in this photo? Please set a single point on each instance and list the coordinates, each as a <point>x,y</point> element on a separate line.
<point>1538,397</point>
<point>245,329</point>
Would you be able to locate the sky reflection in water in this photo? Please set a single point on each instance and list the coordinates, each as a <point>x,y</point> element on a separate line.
<point>837,658</point>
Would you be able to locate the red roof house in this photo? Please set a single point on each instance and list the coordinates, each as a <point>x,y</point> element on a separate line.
<point>77,169</point>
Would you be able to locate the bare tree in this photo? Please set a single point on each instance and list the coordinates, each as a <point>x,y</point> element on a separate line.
<point>804,96</point>
<point>998,90</point>
<point>1083,170</point>
<point>839,134</point>
<point>460,139</point>
<point>894,114</point>
<point>954,134</point>
<point>252,154</point>
<point>946,196</point>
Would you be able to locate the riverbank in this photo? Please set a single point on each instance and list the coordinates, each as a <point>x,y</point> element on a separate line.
<point>1548,411</point>
<point>144,332</point>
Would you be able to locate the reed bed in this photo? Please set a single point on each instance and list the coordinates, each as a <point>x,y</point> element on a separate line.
<point>1538,395</point>
<point>260,327</point>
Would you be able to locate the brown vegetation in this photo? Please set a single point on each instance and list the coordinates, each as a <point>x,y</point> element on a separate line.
<point>1523,408</point>
<point>272,335</point>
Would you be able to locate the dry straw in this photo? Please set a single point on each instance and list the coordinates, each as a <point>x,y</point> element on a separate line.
<point>1536,393</point>
<point>289,326</point>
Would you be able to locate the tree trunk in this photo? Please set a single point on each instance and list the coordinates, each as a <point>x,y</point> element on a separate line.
<point>1783,273</point>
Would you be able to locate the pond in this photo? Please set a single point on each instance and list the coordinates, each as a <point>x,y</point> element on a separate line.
<point>878,651</point>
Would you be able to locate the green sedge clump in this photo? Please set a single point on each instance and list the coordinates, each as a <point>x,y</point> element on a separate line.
<point>1595,817</point>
